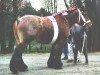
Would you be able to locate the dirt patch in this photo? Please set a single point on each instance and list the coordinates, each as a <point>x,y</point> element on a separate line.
<point>37,65</point>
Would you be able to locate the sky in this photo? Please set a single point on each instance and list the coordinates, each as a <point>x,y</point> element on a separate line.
<point>37,4</point>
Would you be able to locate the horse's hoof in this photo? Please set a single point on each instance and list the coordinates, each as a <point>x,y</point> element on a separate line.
<point>54,67</point>
<point>13,69</point>
<point>57,67</point>
<point>50,66</point>
<point>13,66</point>
<point>16,64</point>
<point>22,68</point>
<point>86,63</point>
<point>16,69</point>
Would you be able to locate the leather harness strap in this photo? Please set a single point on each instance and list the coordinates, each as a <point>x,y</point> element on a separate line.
<point>56,29</point>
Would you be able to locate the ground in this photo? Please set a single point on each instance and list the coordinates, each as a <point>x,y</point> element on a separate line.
<point>37,65</point>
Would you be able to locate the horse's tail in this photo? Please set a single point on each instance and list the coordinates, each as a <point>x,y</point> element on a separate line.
<point>15,27</point>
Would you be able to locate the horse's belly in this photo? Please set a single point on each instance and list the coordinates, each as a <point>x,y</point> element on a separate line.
<point>46,37</point>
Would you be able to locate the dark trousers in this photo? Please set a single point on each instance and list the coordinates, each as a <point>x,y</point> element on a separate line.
<point>66,50</point>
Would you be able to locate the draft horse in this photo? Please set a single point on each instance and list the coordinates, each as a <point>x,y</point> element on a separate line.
<point>43,29</point>
<point>79,36</point>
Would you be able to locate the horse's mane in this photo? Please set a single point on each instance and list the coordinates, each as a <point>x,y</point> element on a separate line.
<point>67,10</point>
<point>58,13</point>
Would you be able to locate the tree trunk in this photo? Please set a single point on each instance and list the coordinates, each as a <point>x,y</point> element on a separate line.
<point>10,47</point>
<point>15,15</point>
<point>94,13</point>
<point>2,26</point>
<point>66,4</point>
<point>55,6</point>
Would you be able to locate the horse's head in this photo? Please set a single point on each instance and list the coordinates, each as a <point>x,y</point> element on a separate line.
<point>74,15</point>
<point>84,20</point>
<point>71,15</point>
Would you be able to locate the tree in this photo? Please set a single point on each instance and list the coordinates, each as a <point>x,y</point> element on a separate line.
<point>2,25</point>
<point>55,6</point>
<point>67,6</point>
<point>28,9</point>
<point>50,6</point>
<point>91,8</point>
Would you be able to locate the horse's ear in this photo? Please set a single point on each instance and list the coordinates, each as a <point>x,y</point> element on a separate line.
<point>72,8</point>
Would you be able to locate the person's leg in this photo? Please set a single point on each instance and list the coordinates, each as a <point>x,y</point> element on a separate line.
<point>70,53</point>
<point>65,52</point>
<point>78,57</point>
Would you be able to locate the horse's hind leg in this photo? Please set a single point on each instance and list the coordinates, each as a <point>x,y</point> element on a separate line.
<point>58,63</point>
<point>17,63</point>
<point>54,60</point>
<point>85,51</point>
<point>86,56</point>
<point>51,59</point>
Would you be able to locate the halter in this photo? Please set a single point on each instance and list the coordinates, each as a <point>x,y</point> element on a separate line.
<point>81,16</point>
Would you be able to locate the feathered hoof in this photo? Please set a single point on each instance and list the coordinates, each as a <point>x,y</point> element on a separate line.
<point>17,65</point>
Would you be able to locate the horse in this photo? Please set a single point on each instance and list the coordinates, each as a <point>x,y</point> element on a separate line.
<point>52,29</point>
<point>78,34</point>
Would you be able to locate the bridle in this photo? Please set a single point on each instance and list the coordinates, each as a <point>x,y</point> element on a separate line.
<point>83,18</point>
<point>85,22</point>
<point>79,18</point>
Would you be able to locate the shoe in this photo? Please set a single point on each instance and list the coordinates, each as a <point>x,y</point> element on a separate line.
<point>65,58</point>
<point>69,60</point>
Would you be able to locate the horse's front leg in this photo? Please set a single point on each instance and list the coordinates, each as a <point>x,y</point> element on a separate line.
<point>54,60</point>
<point>51,59</point>
<point>58,63</point>
<point>17,63</point>
<point>85,51</point>
<point>86,56</point>
<point>75,55</point>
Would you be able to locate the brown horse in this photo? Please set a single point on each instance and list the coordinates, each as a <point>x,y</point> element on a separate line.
<point>44,29</point>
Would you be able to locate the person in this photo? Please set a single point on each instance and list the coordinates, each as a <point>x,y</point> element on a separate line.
<point>68,50</point>
<point>76,33</point>
<point>65,51</point>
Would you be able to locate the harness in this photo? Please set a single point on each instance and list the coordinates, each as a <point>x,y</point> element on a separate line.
<point>56,29</point>
<point>84,20</point>
<point>55,26</point>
